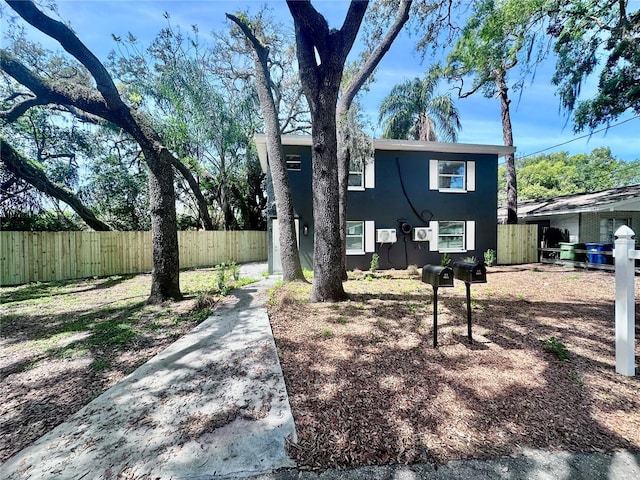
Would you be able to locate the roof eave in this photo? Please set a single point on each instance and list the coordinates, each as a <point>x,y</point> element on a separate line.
<point>402,145</point>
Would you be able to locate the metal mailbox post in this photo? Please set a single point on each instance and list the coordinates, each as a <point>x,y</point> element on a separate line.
<point>469,273</point>
<point>437,276</point>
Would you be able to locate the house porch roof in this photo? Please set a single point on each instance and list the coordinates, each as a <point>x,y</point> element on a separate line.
<point>612,199</point>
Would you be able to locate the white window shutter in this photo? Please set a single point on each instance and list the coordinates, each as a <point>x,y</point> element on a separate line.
<point>471,176</point>
<point>433,243</point>
<point>369,236</point>
<point>433,174</point>
<point>370,173</point>
<point>471,235</point>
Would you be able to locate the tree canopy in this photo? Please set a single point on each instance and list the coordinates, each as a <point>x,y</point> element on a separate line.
<point>498,37</point>
<point>599,37</point>
<point>556,174</point>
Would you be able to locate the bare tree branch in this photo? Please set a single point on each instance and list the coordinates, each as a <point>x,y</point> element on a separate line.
<point>374,59</point>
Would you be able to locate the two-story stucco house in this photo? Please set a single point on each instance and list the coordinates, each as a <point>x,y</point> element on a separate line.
<point>413,202</point>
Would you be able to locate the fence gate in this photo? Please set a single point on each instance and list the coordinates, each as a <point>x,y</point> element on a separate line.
<point>517,244</point>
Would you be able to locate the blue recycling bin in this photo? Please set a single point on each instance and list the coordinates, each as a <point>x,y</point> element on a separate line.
<point>595,255</point>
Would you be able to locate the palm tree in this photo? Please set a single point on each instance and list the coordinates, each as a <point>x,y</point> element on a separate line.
<point>413,111</point>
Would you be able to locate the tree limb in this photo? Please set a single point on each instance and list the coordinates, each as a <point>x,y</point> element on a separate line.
<point>374,59</point>
<point>20,108</point>
<point>72,44</point>
<point>197,192</point>
<point>63,93</point>
<point>31,173</point>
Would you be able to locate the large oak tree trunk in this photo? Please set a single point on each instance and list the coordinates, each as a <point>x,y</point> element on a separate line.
<point>322,53</point>
<point>165,279</point>
<point>289,254</point>
<point>104,101</point>
<point>327,246</point>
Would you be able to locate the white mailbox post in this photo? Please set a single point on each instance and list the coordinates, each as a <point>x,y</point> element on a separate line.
<point>625,255</point>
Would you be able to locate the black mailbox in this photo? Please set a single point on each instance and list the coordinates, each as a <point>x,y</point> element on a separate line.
<point>470,272</point>
<point>437,276</point>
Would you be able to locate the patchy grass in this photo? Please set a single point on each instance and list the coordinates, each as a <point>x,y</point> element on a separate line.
<point>63,343</point>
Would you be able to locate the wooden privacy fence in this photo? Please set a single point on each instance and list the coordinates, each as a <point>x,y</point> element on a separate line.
<point>44,256</point>
<point>517,244</point>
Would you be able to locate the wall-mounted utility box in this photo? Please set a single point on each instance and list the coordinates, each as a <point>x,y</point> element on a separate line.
<point>422,234</point>
<point>386,235</point>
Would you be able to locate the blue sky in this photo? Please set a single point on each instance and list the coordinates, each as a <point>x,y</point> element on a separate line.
<point>537,120</point>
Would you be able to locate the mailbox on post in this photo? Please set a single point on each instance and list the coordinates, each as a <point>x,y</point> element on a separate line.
<point>437,276</point>
<point>470,272</point>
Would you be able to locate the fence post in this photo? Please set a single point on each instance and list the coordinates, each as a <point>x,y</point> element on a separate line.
<point>625,254</point>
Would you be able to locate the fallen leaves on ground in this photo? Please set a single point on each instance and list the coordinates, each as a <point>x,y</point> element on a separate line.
<point>367,387</point>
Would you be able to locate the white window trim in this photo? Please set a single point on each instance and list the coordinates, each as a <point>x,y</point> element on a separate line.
<point>368,175</point>
<point>369,238</point>
<point>469,176</point>
<point>469,237</point>
<point>359,251</point>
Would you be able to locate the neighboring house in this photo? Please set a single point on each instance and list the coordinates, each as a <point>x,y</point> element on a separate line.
<point>589,217</point>
<point>411,204</point>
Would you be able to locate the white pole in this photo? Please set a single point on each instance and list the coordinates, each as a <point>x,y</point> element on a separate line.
<point>625,302</point>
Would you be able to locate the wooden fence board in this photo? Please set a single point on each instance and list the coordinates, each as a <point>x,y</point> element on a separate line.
<point>45,256</point>
<point>517,244</point>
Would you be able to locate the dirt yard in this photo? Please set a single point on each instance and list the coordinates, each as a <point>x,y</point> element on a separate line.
<point>64,343</point>
<point>365,384</point>
<point>367,387</point>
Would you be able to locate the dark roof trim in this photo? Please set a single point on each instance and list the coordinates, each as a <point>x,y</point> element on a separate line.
<point>404,145</point>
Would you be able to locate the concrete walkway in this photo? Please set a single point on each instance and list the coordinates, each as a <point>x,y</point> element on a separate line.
<point>214,405</point>
<point>211,405</point>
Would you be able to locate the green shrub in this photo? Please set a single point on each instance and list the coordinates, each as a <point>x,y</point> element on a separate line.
<point>375,262</point>
<point>552,345</point>
<point>490,257</point>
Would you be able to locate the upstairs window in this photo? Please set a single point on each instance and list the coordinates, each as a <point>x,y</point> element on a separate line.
<point>452,175</point>
<point>293,163</point>
<point>362,175</point>
<point>356,176</point>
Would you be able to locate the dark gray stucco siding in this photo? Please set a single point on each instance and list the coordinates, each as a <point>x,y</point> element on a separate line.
<point>386,204</point>
<point>302,195</point>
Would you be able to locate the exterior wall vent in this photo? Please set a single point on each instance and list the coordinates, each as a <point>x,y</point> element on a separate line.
<point>386,235</point>
<point>422,234</point>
